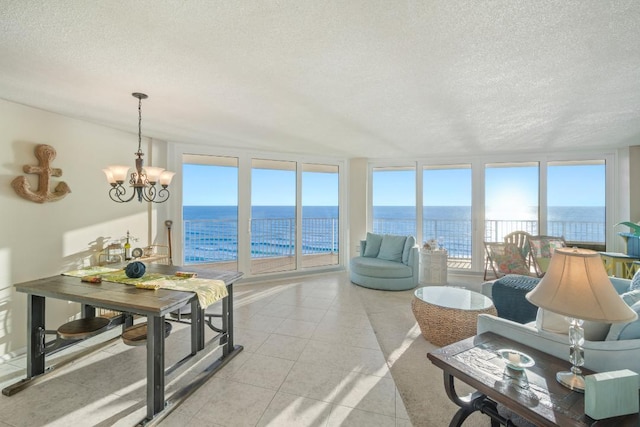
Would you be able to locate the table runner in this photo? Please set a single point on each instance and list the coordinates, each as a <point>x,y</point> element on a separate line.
<point>207,290</point>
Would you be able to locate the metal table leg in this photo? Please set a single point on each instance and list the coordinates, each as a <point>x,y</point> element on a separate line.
<point>230,318</point>
<point>35,329</point>
<point>155,365</point>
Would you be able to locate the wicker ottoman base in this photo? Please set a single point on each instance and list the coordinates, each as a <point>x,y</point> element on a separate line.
<point>442,325</point>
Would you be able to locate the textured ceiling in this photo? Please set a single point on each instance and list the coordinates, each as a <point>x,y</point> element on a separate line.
<point>356,78</point>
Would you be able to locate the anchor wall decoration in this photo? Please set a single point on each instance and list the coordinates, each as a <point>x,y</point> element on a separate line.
<point>45,154</point>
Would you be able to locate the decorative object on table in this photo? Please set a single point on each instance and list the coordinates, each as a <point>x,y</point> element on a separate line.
<point>635,228</point>
<point>127,248</point>
<point>147,285</point>
<point>611,394</point>
<point>515,359</point>
<point>114,253</point>
<point>632,242</point>
<point>137,252</point>
<point>168,224</point>
<point>186,274</point>
<point>143,180</point>
<point>45,155</point>
<point>576,285</point>
<point>135,270</point>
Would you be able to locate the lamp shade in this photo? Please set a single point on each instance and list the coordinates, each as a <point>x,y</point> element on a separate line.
<point>153,173</point>
<point>166,177</point>
<point>576,285</point>
<point>118,173</point>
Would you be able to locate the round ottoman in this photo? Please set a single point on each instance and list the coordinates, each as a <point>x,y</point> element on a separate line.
<point>448,314</point>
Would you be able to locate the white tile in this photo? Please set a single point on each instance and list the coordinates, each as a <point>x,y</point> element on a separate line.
<point>297,328</point>
<point>288,410</point>
<point>283,346</point>
<point>343,416</point>
<point>233,404</point>
<point>263,371</point>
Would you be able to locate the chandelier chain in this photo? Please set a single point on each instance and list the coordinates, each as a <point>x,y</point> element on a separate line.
<point>139,125</point>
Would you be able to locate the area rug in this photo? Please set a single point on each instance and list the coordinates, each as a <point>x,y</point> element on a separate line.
<point>419,382</point>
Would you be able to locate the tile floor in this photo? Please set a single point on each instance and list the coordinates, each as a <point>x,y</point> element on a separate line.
<point>311,358</point>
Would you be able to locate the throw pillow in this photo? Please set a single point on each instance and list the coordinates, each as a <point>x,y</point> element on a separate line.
<point>635,282</point>
<point>631,297</point>
<point>408,244</point>
<point>392,247</point>
<point>508,259</point>
<point>372,246</point>
<point>626,331</point>
<point>553,322</point>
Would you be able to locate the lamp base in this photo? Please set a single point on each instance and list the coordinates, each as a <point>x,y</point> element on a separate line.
<point>571,380</point>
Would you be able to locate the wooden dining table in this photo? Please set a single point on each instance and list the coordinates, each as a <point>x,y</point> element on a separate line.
<point>154,304</point>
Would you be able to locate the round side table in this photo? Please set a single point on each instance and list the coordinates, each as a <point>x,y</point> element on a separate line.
<point>447,314</point>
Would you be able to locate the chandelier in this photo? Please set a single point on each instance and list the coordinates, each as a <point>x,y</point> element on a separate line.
<point>144,179</point>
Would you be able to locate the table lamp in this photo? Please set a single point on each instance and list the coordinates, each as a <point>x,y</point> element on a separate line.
<point>576,285</point>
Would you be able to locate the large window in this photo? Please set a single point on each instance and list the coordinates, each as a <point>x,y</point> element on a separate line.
<point>259,215</point>
<point>446,213</point>
<point>463,205</point>
<point>320,218</point>
<point>576,201</point>
<point>210,210</point>
<point>511,199</point>
<point>273,216</point>
<point>394,200</point>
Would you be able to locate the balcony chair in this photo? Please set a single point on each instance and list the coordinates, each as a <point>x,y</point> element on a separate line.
<point>521,240</point>
<point>503,259</point>
<point>541,249</point>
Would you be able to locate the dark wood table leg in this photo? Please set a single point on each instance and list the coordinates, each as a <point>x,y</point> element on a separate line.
<point>471,403</point>
<point>155,365</point>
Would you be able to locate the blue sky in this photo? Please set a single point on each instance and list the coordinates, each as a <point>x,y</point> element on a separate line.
<point>582,185</point>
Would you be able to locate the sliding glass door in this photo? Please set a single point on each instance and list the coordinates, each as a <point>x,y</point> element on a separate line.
<point>210,210</point>
<point>394,200</point>
<point>273,216</point>
<point>320,218</point>
<point>511,199</point>
<point>446,211</point>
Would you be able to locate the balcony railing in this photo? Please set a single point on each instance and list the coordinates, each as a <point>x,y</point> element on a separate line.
<point>216,240</point>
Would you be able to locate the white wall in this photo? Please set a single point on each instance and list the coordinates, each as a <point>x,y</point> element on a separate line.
<point>358,204</point>
<point>40,240</point>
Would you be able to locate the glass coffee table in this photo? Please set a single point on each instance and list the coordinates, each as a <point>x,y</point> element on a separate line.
<point>448,314</point>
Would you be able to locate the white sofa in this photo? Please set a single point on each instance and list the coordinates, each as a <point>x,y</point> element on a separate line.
<point>599,356</point>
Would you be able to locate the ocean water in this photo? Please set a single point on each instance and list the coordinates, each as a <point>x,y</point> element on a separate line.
<point>211,231</point>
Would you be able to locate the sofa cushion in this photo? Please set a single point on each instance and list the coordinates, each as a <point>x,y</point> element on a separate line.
<point>408,244</point>
<point>372,246</point>
<point>376,267</point>
<point>553,322</point>
<point>392,247</point>
<point>626,331</point>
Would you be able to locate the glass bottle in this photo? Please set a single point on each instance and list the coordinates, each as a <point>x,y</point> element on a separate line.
<point>127,248</point>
